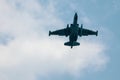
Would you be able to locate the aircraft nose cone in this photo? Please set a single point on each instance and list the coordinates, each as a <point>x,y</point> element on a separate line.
<point>76,14</point>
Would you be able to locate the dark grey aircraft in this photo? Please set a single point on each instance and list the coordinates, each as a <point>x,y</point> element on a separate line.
<point>73,32</point>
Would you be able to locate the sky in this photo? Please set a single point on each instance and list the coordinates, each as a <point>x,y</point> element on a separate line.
<point>28,53</point>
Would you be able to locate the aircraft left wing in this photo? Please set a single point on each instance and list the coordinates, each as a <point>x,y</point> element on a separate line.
<point>86,32</point>
<point>61,32</point>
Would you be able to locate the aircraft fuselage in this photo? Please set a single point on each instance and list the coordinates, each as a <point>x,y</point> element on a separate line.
<point>74,28</point>
<point>74,33</point>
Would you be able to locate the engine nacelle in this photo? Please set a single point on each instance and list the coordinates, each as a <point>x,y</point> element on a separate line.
<point>67,26</point>
<point>67,30</point>
<point>71,25</point>
<point>77,25</point>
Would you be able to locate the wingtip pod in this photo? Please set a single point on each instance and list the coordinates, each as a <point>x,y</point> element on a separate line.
<point>49,33</point>
<point>96,33</point>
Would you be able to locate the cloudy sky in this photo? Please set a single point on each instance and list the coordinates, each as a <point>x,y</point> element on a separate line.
<point>28,53</point>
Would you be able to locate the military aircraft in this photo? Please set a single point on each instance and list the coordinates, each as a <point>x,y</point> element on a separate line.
<point>73,31</point>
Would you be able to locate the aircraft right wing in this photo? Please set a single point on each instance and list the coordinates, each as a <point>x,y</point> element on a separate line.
<point>61,32</point>
<point>86,32</point>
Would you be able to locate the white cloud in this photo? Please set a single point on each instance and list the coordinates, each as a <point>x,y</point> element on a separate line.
<point>32,53</point>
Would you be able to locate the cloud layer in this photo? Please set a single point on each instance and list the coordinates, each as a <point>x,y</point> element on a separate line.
<point>30,53</point>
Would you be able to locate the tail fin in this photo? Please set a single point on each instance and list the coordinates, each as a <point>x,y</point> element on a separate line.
<point>72,44</point>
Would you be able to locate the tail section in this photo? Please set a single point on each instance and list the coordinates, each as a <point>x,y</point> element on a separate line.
<point>72,44</point>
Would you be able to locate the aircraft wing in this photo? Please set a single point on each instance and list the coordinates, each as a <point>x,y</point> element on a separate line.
<point>86,32</point>
<point>61,32</point>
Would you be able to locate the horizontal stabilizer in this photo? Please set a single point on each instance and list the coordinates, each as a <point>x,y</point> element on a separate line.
<point>72,44</point>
